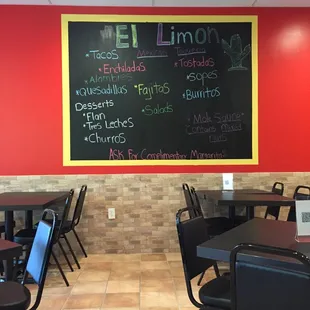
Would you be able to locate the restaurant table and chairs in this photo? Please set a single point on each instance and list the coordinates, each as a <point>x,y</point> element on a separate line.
<point>26,236</point>
<point>27,202</point>
<point>269,268</point>
<point>34,201</point>
<point>269,265</point>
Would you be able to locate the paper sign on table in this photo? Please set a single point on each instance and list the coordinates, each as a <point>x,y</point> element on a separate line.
<point>228,181</point>
<point>303,220</point>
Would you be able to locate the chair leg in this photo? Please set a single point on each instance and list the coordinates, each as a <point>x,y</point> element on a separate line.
<point>15,270</point>
<point>216,269</point>
<point>59,268</point>
<point>79,241</point>
<point>200,279</point>
<point>28,249</point>
<point>71,251</point>
<point>65,255</point>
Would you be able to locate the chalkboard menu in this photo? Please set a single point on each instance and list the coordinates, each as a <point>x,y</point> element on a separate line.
<point>159,90</point>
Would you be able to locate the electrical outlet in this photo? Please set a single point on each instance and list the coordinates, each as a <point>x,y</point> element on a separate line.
<point>111,213</point>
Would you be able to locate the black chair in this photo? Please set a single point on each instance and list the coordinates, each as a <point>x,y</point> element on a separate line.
<point>298,195</point>
<point>215,225</point>
<point>261,287</point>
<point>191,233</point>
<point>196,211</point>
<point>26,236</point>
<point>189,201</point>
<point>277,188</point>
<point>193,212</point>
<point>15,296</point>
<point>70,225</point>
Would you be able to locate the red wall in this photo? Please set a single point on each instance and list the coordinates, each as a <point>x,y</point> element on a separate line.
<point>31,94</point>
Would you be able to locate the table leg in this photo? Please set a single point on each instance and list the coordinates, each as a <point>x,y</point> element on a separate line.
<point>249,212</point>
<point>29,219</point>
<point>232,212</point>
<point>8,269</point>
<point>9,233</point>
<point>9,225</point>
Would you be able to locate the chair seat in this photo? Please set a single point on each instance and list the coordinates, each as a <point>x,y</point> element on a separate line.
<point>25,236</point>
<point>216,293</point>
<point>66,225</point>
<point>14,296</point>
<point>218,225</point>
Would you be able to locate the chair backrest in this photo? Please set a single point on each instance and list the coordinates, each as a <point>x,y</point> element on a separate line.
<point>67,203</point>
<point>187,195</point>
<point>188,200</point>
<point>79,207</point>
<point>259,287</point>
<point>40,252</point>
<point>196,204</point>
<point>191,233</point>
<point>301,192</point>
<point>277,188</point>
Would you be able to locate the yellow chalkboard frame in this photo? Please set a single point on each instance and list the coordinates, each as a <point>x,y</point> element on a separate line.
<point>66,18</point>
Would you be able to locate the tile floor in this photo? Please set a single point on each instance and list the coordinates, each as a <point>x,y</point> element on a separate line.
<point>120,282</point>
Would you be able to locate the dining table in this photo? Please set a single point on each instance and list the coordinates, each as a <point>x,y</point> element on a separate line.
<point>257,231</point>
<point>248,198</point>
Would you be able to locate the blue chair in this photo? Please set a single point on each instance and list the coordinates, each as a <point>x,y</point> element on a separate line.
<point>15,296</point>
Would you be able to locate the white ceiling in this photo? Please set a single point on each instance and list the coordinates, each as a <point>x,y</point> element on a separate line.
<point>175,3</point>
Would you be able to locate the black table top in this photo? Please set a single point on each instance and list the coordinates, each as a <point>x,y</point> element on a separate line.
<point>258,231</point>
<point>239,198</point>
<point>9,250</point>
<point>23,201</point>
<point>236,191</point>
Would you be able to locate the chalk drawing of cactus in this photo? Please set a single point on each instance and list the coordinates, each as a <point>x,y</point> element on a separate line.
<point>236,53</point>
